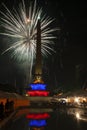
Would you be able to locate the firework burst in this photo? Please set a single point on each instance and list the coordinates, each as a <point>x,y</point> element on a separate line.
<point>20,25</point>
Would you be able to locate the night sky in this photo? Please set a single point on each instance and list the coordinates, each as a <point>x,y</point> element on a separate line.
<point>67,68</point>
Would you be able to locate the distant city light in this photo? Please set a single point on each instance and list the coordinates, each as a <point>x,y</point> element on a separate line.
<point>77,115</point>
<point>76,99</point>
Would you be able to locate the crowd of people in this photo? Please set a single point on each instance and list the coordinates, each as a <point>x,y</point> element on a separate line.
<point>6,109</point>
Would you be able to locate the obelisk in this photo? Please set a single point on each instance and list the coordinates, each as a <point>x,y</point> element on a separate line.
<point>38,66</point>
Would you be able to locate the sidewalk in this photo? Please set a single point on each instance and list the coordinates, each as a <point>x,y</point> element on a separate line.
<point>7,119</point>
<point>17,105</point>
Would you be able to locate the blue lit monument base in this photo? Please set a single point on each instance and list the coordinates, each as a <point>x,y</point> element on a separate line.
<point>37,89</point>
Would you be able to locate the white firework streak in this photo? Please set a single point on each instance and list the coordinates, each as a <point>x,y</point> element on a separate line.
<point>22,28</point>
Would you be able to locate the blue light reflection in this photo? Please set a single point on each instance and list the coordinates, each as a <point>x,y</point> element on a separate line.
<point>37,123</point>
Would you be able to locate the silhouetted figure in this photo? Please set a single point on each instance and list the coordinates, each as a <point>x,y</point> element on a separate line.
<point>1,110</point>
<point>7,106</point>
<point>11,106</point>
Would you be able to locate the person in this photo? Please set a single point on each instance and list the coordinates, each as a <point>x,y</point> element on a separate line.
<point>11,106</point>
<point>1,110</point>
<point>7,106</point>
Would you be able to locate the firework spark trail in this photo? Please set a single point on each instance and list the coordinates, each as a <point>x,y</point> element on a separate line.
<point>22,28</point>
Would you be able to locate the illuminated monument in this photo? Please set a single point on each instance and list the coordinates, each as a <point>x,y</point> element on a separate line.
<point>38,87</point>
